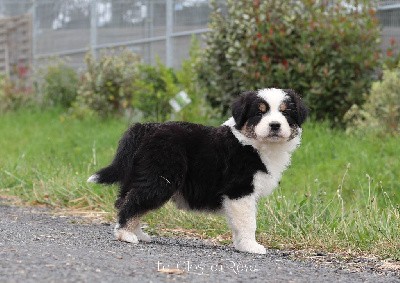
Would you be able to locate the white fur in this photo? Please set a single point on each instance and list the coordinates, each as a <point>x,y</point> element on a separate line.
<point>241,214</point>
<point>131,233</point>
<point>126,236</point>
<point>142,236</point>
<point>93,179</point>
<point>274,97</point>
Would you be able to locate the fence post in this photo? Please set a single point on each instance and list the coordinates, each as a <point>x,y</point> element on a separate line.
<point>168,33</point>
<point>93,27</point>
<point>33,39</point>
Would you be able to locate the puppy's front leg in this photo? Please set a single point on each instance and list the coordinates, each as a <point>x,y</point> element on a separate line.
<point>241,214</point>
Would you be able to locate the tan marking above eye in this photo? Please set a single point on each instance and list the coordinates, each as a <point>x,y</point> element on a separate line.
<point>262,107</point>
<point>282,107</point>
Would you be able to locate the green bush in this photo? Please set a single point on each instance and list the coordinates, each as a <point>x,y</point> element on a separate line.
<point>121,84</point>
<point>381,111</point>
<point>107,86</point>
<point>154,87</point>
<point>60,84</point>
<point>325,52</point>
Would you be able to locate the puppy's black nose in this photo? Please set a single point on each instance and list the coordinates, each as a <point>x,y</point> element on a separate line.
<point>275,126</point>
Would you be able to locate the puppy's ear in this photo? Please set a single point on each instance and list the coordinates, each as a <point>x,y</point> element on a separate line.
<point>301,108</point>
<point>241,106</point>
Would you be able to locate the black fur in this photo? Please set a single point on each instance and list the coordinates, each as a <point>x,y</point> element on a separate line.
<point>155,161</point>
<point>297,112</point>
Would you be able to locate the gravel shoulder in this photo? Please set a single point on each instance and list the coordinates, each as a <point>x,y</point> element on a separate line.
<point>38,246</point>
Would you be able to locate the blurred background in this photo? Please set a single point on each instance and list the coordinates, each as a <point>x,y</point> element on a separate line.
<point>32,31</point>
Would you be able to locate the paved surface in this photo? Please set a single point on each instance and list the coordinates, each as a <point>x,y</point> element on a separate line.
<point>38,246</point>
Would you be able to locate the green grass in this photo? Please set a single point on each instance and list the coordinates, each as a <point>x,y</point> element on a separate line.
<point>341,193</point>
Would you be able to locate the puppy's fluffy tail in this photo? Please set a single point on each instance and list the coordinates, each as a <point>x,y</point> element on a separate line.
<point>122,165</point>
<point>107,175</point>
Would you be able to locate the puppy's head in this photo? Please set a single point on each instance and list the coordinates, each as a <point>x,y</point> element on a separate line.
<point>269,115</point>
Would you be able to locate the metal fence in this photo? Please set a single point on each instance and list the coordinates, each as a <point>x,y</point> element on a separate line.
<point>389,17</point>
<point>151,28</point>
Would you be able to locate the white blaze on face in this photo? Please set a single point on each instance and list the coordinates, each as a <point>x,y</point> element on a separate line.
<point>273,118</point>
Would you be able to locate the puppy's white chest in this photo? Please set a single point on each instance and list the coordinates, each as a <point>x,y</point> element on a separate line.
<point>276,162</point>
<point>264,184</point>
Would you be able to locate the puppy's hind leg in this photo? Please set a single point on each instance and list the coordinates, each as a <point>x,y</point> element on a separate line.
<point>132,232</point>
<point>157,173</point>
<point>126,233</point>
<point>137,202</point>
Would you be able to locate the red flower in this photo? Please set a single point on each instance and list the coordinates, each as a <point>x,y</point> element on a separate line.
<point>265,58</point>
<point>271,31</point>
<point>259,35</point>
<point>371,12</point>
<point>392,41</point>
<point>389,53</point>
<point>285,64</point>
<point>22,71</point>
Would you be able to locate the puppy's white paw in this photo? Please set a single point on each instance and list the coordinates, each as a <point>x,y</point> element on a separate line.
<point>142,236</point>
<point>250,247</point>
<point>126,236</point>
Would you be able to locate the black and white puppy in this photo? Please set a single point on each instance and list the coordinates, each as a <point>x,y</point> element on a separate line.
<point>220,169</point>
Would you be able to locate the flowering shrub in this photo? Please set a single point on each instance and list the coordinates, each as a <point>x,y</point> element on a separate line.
<point>391,58</point>
<point>13,96</point>
<point>325,52</point>
<point>154,87</point>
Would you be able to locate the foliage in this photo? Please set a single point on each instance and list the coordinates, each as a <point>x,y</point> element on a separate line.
<point>13,96</point>
<point>154,87</point>
<point>199,110</point>
<point>325,52</point>
<point>121,84</point>
<point>381,111</point>
<point>60,84</point>
<point>107,86</point>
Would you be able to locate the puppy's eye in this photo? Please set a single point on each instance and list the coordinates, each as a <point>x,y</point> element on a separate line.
<point>283,107</point>
<point>262,108</point>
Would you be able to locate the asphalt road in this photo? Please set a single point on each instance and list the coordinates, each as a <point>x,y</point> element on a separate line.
<point>38,246</point>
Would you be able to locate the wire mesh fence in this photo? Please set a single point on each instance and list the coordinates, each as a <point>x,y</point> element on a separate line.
<point>152,28</point>
<point>149,28</point>
<point>389,17</point>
